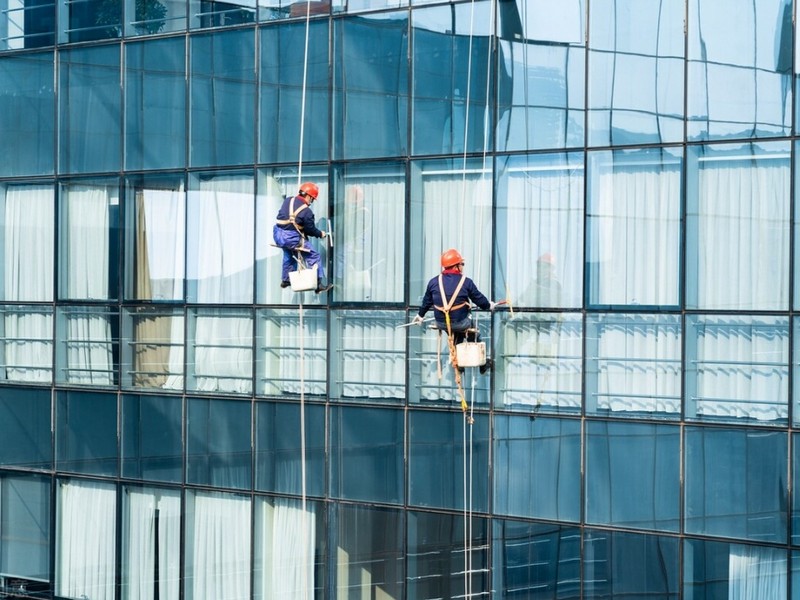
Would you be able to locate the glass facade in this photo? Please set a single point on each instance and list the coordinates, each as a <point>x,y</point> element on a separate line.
<point>175,425</point>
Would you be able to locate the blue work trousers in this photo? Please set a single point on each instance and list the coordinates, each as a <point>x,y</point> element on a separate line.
<point>288,240</point>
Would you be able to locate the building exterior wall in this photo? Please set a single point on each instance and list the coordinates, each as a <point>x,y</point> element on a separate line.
<point>174,424</point>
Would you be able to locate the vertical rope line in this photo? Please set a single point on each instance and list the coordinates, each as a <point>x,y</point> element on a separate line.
<point>303,96</point>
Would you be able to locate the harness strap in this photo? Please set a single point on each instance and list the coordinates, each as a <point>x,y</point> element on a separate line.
<point>448,306</point>
<point>292,220</point>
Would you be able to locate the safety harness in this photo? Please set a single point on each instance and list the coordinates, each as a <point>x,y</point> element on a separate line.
<point>447,306</point>
<point>292,220</point>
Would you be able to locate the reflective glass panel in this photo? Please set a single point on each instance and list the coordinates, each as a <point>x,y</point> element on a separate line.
<point>218,443</point>
<point>151,438</point>
<point>634,218</point>
<point>366,461</point>
<point>219,248</point>
<point>538,364</point>
<point>284,453</point>
<point>89,229</point>
<point>213,13</point>
<point>155,103</point>
<point>368,355</point>
<point>154,16</point>
<point>30,24</point>
<point>541,79</point>
<point>537,470</point>
<point>370,96</point>
<point>219,350</point>
<point>86,433</point>
<point>25,531</point>
<point>737,226</point>
<point>442,448</point>
<point>359,5</point>
<point>89,20</point>
<point>87,348</point>
<point>737,368</point>
<point>25,428</point>
<point>369,230</point>
<point>90,107</point>
<point>795,497</point>
<point>271,10</point>
<point>222,97</point>
<point>536,561</point>
<point>452,88</point>
<point>796,371</point>
<point>27,108</point>
<point>796,230</point>
<point>636,52</point>
<point>630,565</point>
<point>26,343</point>
<point>295,92</point>
<point>722,570</point>
<point>736,483</point>
<point>757,66</point>
<point>633,475</point>
<point>152,348</point>
<point>633,365</point>
<point>539,230</point>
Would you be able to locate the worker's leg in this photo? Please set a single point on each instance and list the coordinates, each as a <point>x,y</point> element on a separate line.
<point>288,240</point>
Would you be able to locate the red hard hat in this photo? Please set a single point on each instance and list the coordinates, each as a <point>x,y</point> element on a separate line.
<point>310,189</point>
<point>547,258</point>
<point>451,258</point>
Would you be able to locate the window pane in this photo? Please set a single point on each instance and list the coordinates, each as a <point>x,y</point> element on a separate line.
<point>155,223</point>
<point>153,16</point>
<point>90,108</point>
<point>536,561</point>
<point>634,222</point>
<point>795,497</point>
<point>212,13</point>
<point>284,100</point>
<point>90,20</point>
<point>280,448</point>
<point>371,96</point>
<point>367,454</point>
<point>152,352</point>
<point>25,428</point>
<point>155,98</point>
<point>440,445</point>
<point>738,223</point>
<point>540,364</point>
<point>539,219</point>
<point>26,343</point>
<point>219,250</point>
<point>25,530</point>
<point>737,368</point>
<point>27,106</point>
<point>86,433</point>
<point>222,84</point>
<point>219,355</point>
<point>151,438</point>
<point>218,443</point>
<point>537,470</point>
<point>89,225</point>
<point>633,475</point>
<point>633,365</point>
<point>368,355</point>
<point>452,91</point>
<point>88,345</point>
<point>736,483</point>
<point>756,67</point>
<point>30,24</point>
<point>630,565</point>
<point>370,233</point>
<point>636,53</point>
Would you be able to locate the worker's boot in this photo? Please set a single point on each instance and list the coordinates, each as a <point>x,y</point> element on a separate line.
<point>322,288</point>
<point>487,366</point>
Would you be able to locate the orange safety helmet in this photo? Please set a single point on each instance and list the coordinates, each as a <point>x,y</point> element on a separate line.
<point>309,189</point>
<point>451,258</point>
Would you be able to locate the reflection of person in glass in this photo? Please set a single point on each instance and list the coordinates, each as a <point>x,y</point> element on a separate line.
<point>352,261</point>
<point>545,290</point>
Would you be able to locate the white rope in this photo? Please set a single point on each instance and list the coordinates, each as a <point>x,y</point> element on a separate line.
<point>303,96</point>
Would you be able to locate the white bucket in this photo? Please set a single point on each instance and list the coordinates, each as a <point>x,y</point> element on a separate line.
<point>303,280</point>
<point>471,354</point>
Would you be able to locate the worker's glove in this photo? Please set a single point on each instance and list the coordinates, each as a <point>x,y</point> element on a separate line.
<point>492,305</point>
<point>417,320</point>
<point>323,236</point>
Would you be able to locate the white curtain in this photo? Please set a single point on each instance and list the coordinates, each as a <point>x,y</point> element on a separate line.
<point>161,230</point>
<point>218,533</point>
<point>285,550</point>
<point>151,551</point>
<point>756,573</point>
<point>223,352</point>
<point>281,353</point>
<point>86,543</point>
<point>89,351</point>
<point>372,355</point>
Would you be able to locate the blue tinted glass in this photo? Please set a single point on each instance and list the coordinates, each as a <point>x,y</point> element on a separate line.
<point>219,355</point>
<point>151,438</point>
<point>154,16</point>
<point>442,447</point>
<point>371,95</point>
<point>630,565</point>
<point>535,561</point>
<point>537,469</point>
<point>633,475</point>
<point>218,443</point>
<point>452,89</point>
<point>90,110</point>
<point>757,66</point>
<point>27,343</point>
<point>86,433</point>
<point>795,482</point>
<point>282,101</point>
<point>367,454</point>
<point>30,24</point>
<point>25,529</point>
<point>90,20</point>
<point>25,428</point>
<point>87,351</point>
<point>155,104</point>
<point>736,483</point>
<point>222,98</point>
<point>635,72</point>
<point>27,114</point>
<point>212,13</point>
<point>279,448</point>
